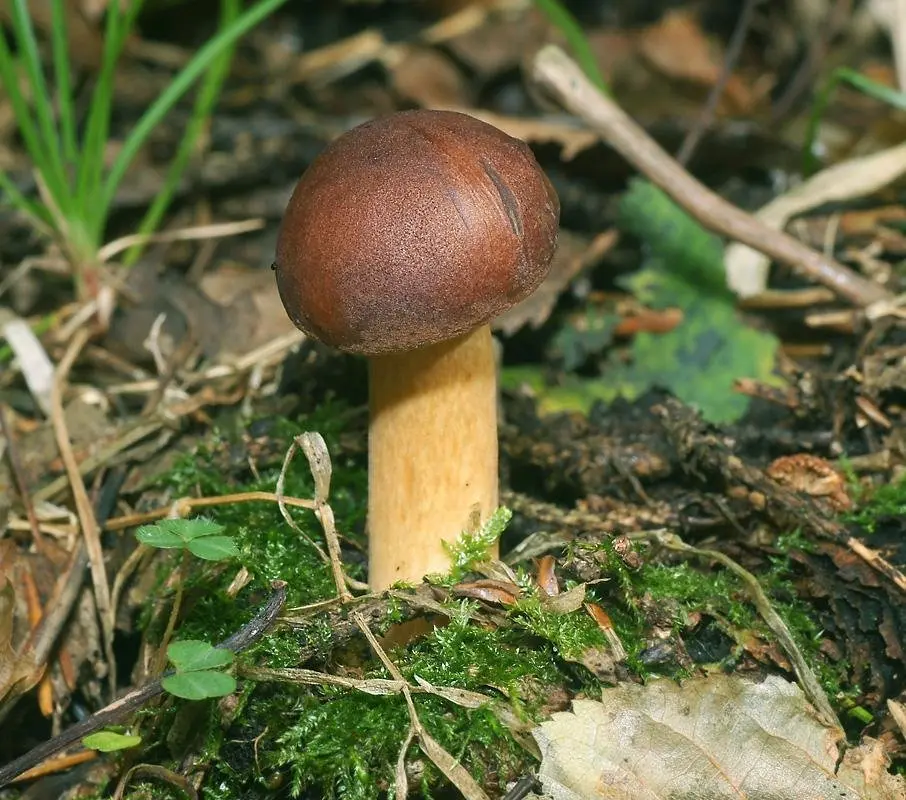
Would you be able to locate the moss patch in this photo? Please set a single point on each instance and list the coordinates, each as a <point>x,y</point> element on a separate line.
<point>279,739</point>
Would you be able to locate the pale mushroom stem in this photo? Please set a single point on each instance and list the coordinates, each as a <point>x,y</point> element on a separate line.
<point>432,454</point>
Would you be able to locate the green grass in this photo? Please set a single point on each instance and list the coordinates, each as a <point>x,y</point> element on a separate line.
<point>76,185</point>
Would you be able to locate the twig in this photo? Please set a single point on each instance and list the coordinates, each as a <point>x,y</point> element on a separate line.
<point>91,533</point>
<point>183,506</point>
<point>734,48</point>
<point>555,71</point>
<point>243,638</point>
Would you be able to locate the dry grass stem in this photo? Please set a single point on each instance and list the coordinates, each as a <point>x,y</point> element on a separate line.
<point>87,520</point>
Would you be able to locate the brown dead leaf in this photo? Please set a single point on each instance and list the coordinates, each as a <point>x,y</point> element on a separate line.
<point>13,624</point>
<point>679,48</point>
<point>7,623</point>
<point>546,576</point>
<point>427,77</point>
<point>490,591</point>
<point>718,737</point>
<point>501,42</point>
<point>251,309</point>
<point>572,138</point>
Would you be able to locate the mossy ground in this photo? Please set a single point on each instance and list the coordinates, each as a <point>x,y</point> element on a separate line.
<point>284,740</point>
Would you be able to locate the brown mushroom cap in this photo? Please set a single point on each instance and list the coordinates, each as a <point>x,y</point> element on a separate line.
<point>412,229</point>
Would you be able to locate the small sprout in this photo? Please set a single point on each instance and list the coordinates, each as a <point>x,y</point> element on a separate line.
<point>197,675</point>
<point>110,740</point>
<point>472,547</point>
<point>201,537</point>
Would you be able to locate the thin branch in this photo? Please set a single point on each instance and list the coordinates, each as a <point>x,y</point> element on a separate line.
<point>91,533</point>
<point>706,118</point>
<point>560,75</point>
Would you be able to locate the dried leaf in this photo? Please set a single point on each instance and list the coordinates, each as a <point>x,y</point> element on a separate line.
<point>747,269</point>
<point>567,602</point>
<point>546,577</point>
<point>677,47</point>
<point>315,449</point>
<point>427,77</point>
<point>450,767</point>
<point>574,254</point>
<point>716,737</point>
<point>491,591</point>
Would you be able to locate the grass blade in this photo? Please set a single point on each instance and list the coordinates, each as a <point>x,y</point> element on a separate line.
<point>180,85</point>
<point>97,126</point>
<point>557,13</point>
<point>63,80</point>
<point>208,93</point>
<point>52,166</point>
<point>877,91</point>
<point>21,111</point>
<point>39,215</point>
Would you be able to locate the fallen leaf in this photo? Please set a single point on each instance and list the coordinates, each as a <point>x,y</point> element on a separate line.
<point>251,309</point>
<point>715,737</point>
<point>546,576</point>
<point>571,137</point>
<point>491,591</point>
<point>747,269</point>
<point>427,77</point>
<point>677,46</point>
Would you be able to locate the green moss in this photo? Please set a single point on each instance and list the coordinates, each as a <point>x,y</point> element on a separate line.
<point>690,587</point>
<point>883,502</point>
<point>471,548</point>
<point>330,742</point>
<point>570,634</point>
<point>282,739</point>
<point>269,548</point>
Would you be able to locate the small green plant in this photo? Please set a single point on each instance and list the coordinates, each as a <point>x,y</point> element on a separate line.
<point>471,548</point>
<point>110,740</point>
<point>200,536</point>
<point>198,670</point>
<point>560,17</point>
<point>203,538</point>
<point>859,82</point>
<point>76,187</point>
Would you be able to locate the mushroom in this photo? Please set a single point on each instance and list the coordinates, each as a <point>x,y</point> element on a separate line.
<point>401,242</point>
